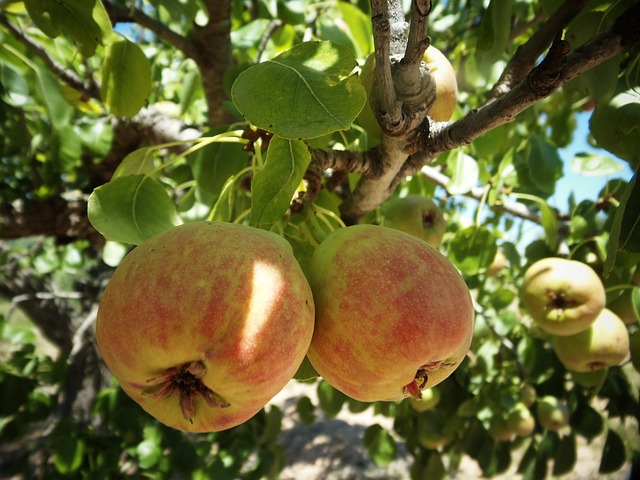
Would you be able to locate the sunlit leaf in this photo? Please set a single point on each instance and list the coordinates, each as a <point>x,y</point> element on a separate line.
<point>380,445</point>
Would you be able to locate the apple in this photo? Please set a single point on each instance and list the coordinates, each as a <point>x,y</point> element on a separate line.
<point>204,323</point>
<point>623,307</point>
<point>497,265</point>
<point>393,315</point>
<point>528,394</point>
<point>499,429</point>
<point>446,89</point>
<point>431,430</point>
<point>418,215</point>
<point>430,399</point>
<point>589,379</point>
<point>520,420</point>
<point>604,344</point>
<point>564,297</point>
<point>552,413</point>
<point>634,349</point>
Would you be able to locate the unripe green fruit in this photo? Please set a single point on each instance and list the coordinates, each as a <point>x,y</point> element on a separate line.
<point>499,429</point>
<point>430,399</point>
<point>604,344</point>
<point>552,413</point>
<point>528,394</point>
<point>520,420</point>
<point>418,215</point>
<point>563,297</point>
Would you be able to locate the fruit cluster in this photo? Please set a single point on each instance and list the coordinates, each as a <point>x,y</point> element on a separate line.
<point>204,323</point>
<point>566,299</point>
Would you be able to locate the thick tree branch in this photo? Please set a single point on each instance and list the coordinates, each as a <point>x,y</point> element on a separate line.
<point>88,88</point>
<point>121,14</point>
<point>526,55</point>
<point>556,70</point>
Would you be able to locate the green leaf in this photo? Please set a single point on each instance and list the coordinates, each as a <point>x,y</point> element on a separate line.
<point>305,372</point>
<point>306,410</point>
<point>494,30</point>
<point>614,453</point>
<point>380,445</point>
<point>548,219</point>
<point>68,453</point>
<point>139,161</point>
<point>625,230</point>
<point>545,164</point>
<point>566,455</point>
<point>126,78</point>
<point>305,92</point>
<point>131,209</point>
<point>502,298</point>
<point>591,164</point>
<point>85,21</point>
<point>273,187</point>
<point>272,427</point>
<point>330,399</point>
<point>148,453</point>
<point>464,173</point>
<point>473,249</point>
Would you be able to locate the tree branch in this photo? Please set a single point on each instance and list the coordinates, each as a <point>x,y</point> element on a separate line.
<point>526,55</point>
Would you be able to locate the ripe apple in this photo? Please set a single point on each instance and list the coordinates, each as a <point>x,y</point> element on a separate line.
<point>520,420</point>
<point>604,344</point>
<point>418,215</point>
<point>204,323</point>
<point>564,297</point>
<point>446,89</point>
<point>552,413</point>
<point>430,399</point>
<point>393,315</point>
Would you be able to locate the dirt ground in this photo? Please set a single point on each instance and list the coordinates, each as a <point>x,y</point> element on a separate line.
<point>332,449</point>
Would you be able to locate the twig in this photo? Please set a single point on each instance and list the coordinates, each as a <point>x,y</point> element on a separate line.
<point>273,26</point>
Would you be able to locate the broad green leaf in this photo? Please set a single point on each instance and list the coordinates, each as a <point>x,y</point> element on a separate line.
<point>591,164</point>
<point>613,454</point>
<point>305,372</point>
<point>68,453</point>
<point>273,187</point>
<point>139,161</point>
<point>625,230</point>
<point>85,21</point>
<point>305,92</point>
<point>330,399</point>
<point>149,453</point>
<point>464,173</point>
<point>380,445</point>
<point>191,87</point>
<point>131,209</point>
<point>566,455</point>
<point>502,298</point>
<point>272,426</point>
<point>348,25</point>
<point>15,89</point>
<point>126,78</point>
<point>545,164</point>
<point>57,107</point>
<point>494,30</point>
<point>548,219</point>
<point>473,249</point>
<point>306,410</point>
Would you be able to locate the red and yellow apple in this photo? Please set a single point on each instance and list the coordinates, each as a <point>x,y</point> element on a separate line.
<point>204,323</point>
<point>564,297</point>
<point>393,315</point>
<point>604,344</point>
<point>418,215</point>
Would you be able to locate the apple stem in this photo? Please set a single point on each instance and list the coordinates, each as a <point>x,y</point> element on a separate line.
<point>414,388</point>
<point>187,379</point>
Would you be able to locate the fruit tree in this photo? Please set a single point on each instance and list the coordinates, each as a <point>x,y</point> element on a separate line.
<point>427,210</point>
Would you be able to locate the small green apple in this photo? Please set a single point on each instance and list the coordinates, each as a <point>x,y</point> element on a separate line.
<point>520,420</point>
<point>552,413</point>
<point>604,344</point>
<point>563,297</point>
<point>430,399</point>
<point>528,394</point>
<point>623,307</point>
<point>499,429</point>
<point>418,215</point>
<point>498,264</point>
